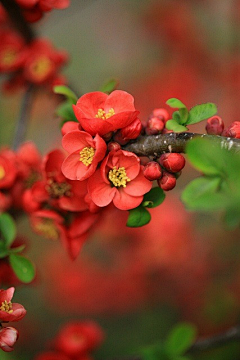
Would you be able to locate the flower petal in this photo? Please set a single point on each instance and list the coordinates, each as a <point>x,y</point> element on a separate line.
<point>123,201</point>
<point>101,193</point>
<point>139,186</point>
<point>76,141</point>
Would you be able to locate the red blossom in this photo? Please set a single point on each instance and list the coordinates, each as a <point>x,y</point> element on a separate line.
<point>8,337</point>
<point>12,51</point>
<point>120,179</point>
<point>85,154</point>
<point>99,113</point>
<point>76,339</point>
<point>8,170</point>
<point>10,311</point>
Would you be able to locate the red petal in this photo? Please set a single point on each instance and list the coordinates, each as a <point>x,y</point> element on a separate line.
<point>139,186</point>
<point>120,101</point>
<point>100,192</point>
<point>123,201</point>
<point>6,294</point>
<point>76,141</point>
<point>89,103</point>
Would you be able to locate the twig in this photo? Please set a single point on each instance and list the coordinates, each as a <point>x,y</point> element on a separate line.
<point>156,145</point>
<point>23,118</point>
<point>16,16</point>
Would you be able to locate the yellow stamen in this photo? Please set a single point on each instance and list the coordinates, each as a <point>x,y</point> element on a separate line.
<point>58,190</point>
<point>87,155</point>
<point>6,306</point>
<point>47,229</point>
<point>118,177</point>
<point>8,57</point>
<point>2,172</point>
<point>102,115</point>
<point>41,67</point>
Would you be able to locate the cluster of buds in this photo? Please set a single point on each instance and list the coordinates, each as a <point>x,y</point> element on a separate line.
<point>33,63</point>
<point>9,312</point>
<point>75,341</point>
<point>33,10</point>
<point>165,169</point>
<point>215,126</point>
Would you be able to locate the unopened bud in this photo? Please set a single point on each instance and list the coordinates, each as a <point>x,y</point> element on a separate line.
<point>167,181</point>
<point>214,125</point>
<point>107,136</point>
<point>113,146</point>
<point>154,126</point>
<point>152,171</point>
<point>172,162</point>
<point>233,130</point>
<point>132,131</point>
<point>119,139</point>
<point>161,114</point>
<point>8,337</point>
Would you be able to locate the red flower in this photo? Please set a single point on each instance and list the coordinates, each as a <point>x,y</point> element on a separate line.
<point>8,337</point>
<point>85,154</point>
<point>8,171</point>
<point>100,113</point>
<point>76,339</point>
<point>10,311</point>
<point>12,51</point>
<point>120,179</point>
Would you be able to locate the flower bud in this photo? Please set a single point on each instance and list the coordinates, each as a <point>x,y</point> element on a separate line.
<point>233,130</point>
<point>152,171</point>
<point>119,139</point>
<point>131,131</point>
<point>214,125</point>
<point>161,114</point>
<point>154,126</point>
<point>113,146</point>
<point>107,136</point>
<point>167,182</point>
<point>8,337</point>
<point>172,162</point>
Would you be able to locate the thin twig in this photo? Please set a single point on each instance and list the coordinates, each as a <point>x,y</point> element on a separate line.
<point>22,122</point>
<point>156,145</point>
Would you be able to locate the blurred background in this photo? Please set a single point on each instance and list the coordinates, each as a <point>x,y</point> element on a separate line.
<point>182,266</point>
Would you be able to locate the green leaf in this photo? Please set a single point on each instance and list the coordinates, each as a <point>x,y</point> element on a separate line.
<point>7,228</point>
<point>232,218</point>
<point>207,156</point>
<point>3,250</point>
<point>64,90</point>
<point>23,267</point>
<point>175,103</point>
<point>17,249</point>
<point>138,217</point>
<point>204,194</point>
<point>183,116</point>
<point>66,112</point>
<point>174,125</point>
<point>180,339</point>
<point>153,198</point>
<point>201,112</point>
<point>109,86</point>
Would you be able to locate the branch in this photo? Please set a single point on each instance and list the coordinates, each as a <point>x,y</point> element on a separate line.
<point>23,118</point>
<point>16,16</point>
<point>155,145</point>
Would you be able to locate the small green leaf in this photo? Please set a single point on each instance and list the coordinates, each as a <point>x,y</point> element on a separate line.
<point>174,125</point>
<point>176,116</point>
<point>201,112</point>
<point>175,103</point>
<point>153,198</point>
<point>180,339</point>
<point>203,194</point>
<point>17,249</point>
<point>66,112</point>
<point>64,90</point>
<point>23,267</point>
<point>7,228</point>
<point>138,217</point>
<point>109,86</point>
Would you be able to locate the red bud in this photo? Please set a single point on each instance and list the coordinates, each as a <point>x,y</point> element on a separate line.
<point>167,182</point>
<point>214,125</point>
<point>132,131</point>
<point>152,171</point>
<point>233,130</point>
<point>172,162</point>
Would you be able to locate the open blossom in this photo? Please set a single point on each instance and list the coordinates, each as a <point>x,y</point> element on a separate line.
<point>99,113</point>
<point>10,311</point>
<point>8,337</point>
<point>85,154</point>
<point>120,179</point>
<point>12,51</point>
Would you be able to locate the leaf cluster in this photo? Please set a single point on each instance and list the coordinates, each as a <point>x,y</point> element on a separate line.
<point>182,117</point>
<point>22,266</point>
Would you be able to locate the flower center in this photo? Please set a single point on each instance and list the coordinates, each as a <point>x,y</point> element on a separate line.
<point>58,190</point>
<point>118,177</point>
<point>101,114</point>
<point>86,155</point>
<point>2,172</point>
<point>6,306</point>
<point>8,57</point>
<point>40,68</point>
<point>47,228</point>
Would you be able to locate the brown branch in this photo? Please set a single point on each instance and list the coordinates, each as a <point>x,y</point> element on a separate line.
<point>16,16</point>
<point>155,145</point>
